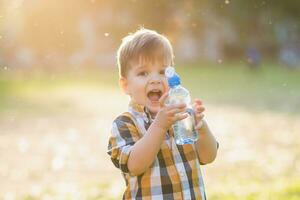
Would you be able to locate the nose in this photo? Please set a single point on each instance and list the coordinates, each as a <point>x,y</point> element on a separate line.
<point>155,78</point>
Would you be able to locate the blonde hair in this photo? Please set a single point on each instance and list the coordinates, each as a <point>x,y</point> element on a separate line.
<point>146,44</point>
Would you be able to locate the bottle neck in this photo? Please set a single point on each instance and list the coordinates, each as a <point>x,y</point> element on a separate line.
<point>175,86</point>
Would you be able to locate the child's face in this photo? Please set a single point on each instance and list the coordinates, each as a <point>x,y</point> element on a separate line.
<point>146,83</point>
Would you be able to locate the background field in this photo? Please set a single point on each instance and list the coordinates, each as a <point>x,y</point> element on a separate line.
<point>54,129</point>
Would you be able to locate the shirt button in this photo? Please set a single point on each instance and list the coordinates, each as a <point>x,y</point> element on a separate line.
<point>181,174</point>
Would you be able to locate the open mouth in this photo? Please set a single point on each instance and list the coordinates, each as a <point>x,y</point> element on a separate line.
<point>154,95</point>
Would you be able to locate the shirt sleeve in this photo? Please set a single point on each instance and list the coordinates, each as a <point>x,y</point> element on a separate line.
<point>123,136</point>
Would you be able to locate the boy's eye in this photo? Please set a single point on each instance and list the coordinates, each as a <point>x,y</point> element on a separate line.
<point>162,72</point>
<point>143,73</point>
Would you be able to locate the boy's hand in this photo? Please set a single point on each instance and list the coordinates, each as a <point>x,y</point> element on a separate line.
<point>198,109</point>
<point>168,114</point>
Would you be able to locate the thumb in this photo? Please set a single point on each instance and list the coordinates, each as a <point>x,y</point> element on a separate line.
<point>163,99</point>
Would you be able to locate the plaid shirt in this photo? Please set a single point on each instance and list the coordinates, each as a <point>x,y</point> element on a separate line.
<point>174,174</point>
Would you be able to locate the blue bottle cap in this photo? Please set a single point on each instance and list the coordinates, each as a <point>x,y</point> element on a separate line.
<point>174,80</point>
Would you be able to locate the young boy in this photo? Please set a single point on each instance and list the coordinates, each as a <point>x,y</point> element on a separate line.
<point>141,144</point>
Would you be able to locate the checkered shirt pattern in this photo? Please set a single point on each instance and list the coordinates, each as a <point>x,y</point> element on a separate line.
<point>174,174</point>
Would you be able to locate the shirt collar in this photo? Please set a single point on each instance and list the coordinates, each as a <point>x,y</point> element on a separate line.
<point>140,110</point>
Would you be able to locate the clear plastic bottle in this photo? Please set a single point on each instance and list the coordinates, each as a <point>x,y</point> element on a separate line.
<point>184,130</point>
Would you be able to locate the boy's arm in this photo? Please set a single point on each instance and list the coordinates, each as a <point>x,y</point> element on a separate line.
<point>145,150</point>
<point>206,145</point>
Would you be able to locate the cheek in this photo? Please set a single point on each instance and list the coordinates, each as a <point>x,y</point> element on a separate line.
<point>166,86</point>
<point>138,87</point>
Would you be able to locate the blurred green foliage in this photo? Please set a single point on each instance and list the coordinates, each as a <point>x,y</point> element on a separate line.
<point>271,88</point>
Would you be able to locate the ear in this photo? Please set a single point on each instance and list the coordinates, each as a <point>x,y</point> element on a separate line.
<point>123,83</point>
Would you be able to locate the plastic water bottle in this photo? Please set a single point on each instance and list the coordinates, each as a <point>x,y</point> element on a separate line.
<point>184,130</point>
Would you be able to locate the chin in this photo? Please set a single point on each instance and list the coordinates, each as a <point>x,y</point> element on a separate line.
<point>153,109</point>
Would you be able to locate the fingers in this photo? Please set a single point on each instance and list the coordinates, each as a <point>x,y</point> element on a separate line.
<point>199,120</point>
<point>176,106</point>
<point>199,125</point>
<point>162,99</point>
<point>177,110</point>
<point>179,117</point>
<point>198,101</point>
<point>199,116</point>
<point>199,109</point>
<point>198,106</point>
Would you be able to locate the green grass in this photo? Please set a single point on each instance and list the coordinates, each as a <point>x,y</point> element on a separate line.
<point>289,192</point>
<point>97,192</point>
<point>18,90</point>
<point>272,88</point>
<point>90,192</point>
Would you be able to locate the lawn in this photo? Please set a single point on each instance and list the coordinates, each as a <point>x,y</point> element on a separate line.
<point>54,128</point>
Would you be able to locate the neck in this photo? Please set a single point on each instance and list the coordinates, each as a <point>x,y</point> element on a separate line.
<point>153,115</point>
<point>175,86</point>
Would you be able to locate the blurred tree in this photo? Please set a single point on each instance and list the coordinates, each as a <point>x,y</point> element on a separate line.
<point>255,18</point>
<point>61,30</point>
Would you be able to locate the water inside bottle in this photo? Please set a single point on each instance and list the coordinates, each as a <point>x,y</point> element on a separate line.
<point>184,131</point>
